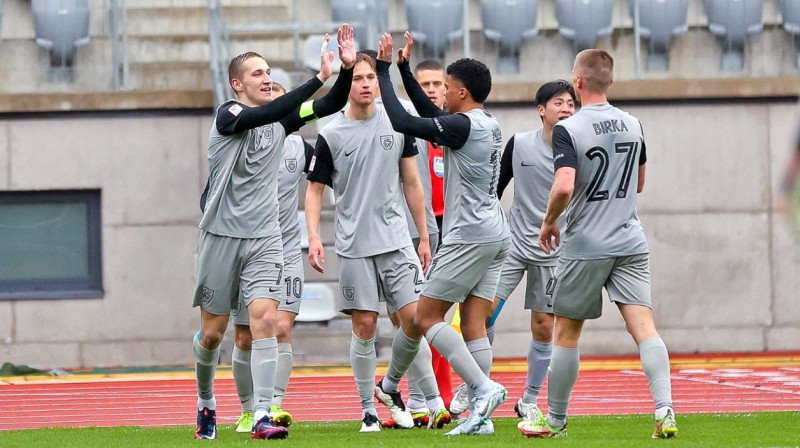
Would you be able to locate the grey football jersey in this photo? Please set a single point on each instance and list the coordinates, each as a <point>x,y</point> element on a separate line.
<point>242,199</point>
<point>360,159</point>
<point>606,147</point>
<point>472,212</point>
<point>424,177</point>
<point>532,163</point>
<point>293,161</point>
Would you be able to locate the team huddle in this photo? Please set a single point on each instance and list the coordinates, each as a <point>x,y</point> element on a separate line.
<point>575,174</point>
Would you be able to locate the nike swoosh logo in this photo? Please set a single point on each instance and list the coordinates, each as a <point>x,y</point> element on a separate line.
<point>526,164</point>
<point>274,288</point>
<point>347,154</point>
<point>417,291</point>
<point>291,303</point>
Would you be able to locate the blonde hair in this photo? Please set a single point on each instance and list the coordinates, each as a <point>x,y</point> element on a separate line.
<point>596,67</point>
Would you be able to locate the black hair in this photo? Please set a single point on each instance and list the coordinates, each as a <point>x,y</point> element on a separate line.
<point>552,89</point>
<point>474,75</point>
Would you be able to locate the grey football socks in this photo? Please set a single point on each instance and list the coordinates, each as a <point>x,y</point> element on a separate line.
<point>450,344</point>
<point>205,367</point>
<point>538,362</point>
<point>243,377</point>
<point>404,349</point>
<point>562,375</point>
<point>490,334</point>
<point>422,372</point>
<point>282,371</point>
<point>263,362</point>
<point>655,362</point>
<point>363,361</point>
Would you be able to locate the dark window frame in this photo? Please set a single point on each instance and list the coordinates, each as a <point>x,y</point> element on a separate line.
<point>90,287</point>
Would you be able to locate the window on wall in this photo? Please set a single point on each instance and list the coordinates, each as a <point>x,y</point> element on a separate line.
<point>50,244</point>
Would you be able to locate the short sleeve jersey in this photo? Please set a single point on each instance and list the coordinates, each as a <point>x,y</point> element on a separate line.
<point>532,164</point>
<point>472,212</point>
<point>242,199</point>
<point>425,179</point>
<point>360,159</point>
<point>293,162</point>
<point>606,146</point>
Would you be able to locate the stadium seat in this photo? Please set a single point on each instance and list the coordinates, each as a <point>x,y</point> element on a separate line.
<point>61,27</point>
<point>282,77</point>
<point>790,11</point>
<point>319,303</point>
<point>583,21</point>
<point>508,22</point>
<point>311,52</point>
<point>369,17</point>
<point>659,21</point>
<point>732,21</point>
<point>434,24</point>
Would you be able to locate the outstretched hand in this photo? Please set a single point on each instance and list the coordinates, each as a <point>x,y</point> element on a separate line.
<point>326,60</point>
<point>385,48</point>
<point>347,48</point>
<point>404,54</point>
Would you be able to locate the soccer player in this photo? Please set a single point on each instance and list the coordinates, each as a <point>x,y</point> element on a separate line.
<point>529,155</point>
<point>295,156</point>
<point>240,247</point>
<point>599,159</point>
<point>363,160</point>
<point>425,402</point>
<point>476,238</point>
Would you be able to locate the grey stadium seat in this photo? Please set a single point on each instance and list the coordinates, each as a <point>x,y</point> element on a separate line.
<point>659,22</point>
<point>434,24</point>
<point>790,11</point>
<point>732,21</point>
<point>583,21</point>
<point>61,27</point>
<point>369,17</point>
<point>508,22</point>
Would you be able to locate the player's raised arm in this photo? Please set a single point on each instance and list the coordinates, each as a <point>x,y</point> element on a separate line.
<point>424,106</point>
<point>448,130</point>
<point>336,98</point>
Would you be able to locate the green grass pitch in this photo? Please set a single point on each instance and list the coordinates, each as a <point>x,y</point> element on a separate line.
<point>764,429</point>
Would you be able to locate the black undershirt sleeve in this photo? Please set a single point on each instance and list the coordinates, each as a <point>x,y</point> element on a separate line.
<point>309,154</point>
<point>321,167</point>
<point>643,154</point>
<point>235,118</point>
<point>564,153</point>
<point>204,196</point>
<point>409,146</point>
<point>329,104</point>
<point>506,168</point>
<point>449,130</point>
<point>423,104</point>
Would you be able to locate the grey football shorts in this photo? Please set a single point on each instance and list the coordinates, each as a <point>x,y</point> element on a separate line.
<point>291,289</point>
<point>577,292</point>
<point>228,268</point>
<point>395,277</point>
<point>461,270</point>
<point>539,277</point>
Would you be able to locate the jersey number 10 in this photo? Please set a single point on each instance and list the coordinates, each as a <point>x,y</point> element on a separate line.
<point>594,193</point>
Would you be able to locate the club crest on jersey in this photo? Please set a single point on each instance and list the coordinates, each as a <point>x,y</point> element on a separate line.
<point>264,136</point>
<point>291,165</point>
<point>387,141</point>
<point>349,292</point>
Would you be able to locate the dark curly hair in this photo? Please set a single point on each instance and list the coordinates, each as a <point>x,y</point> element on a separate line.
<point>474,75</point>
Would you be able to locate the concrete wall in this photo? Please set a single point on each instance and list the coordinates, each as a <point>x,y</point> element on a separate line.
<point>724,266</point>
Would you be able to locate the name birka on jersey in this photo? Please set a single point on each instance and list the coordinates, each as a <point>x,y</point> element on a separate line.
<point>608,126</point>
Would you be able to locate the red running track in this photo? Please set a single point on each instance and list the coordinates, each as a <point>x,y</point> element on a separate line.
<point>166,402</point>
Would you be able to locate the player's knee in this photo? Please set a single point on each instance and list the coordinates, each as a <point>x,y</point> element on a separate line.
<point>283,330</point>
<point>211,338</point>
<point>364,326</point>
<point>244,339</point>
